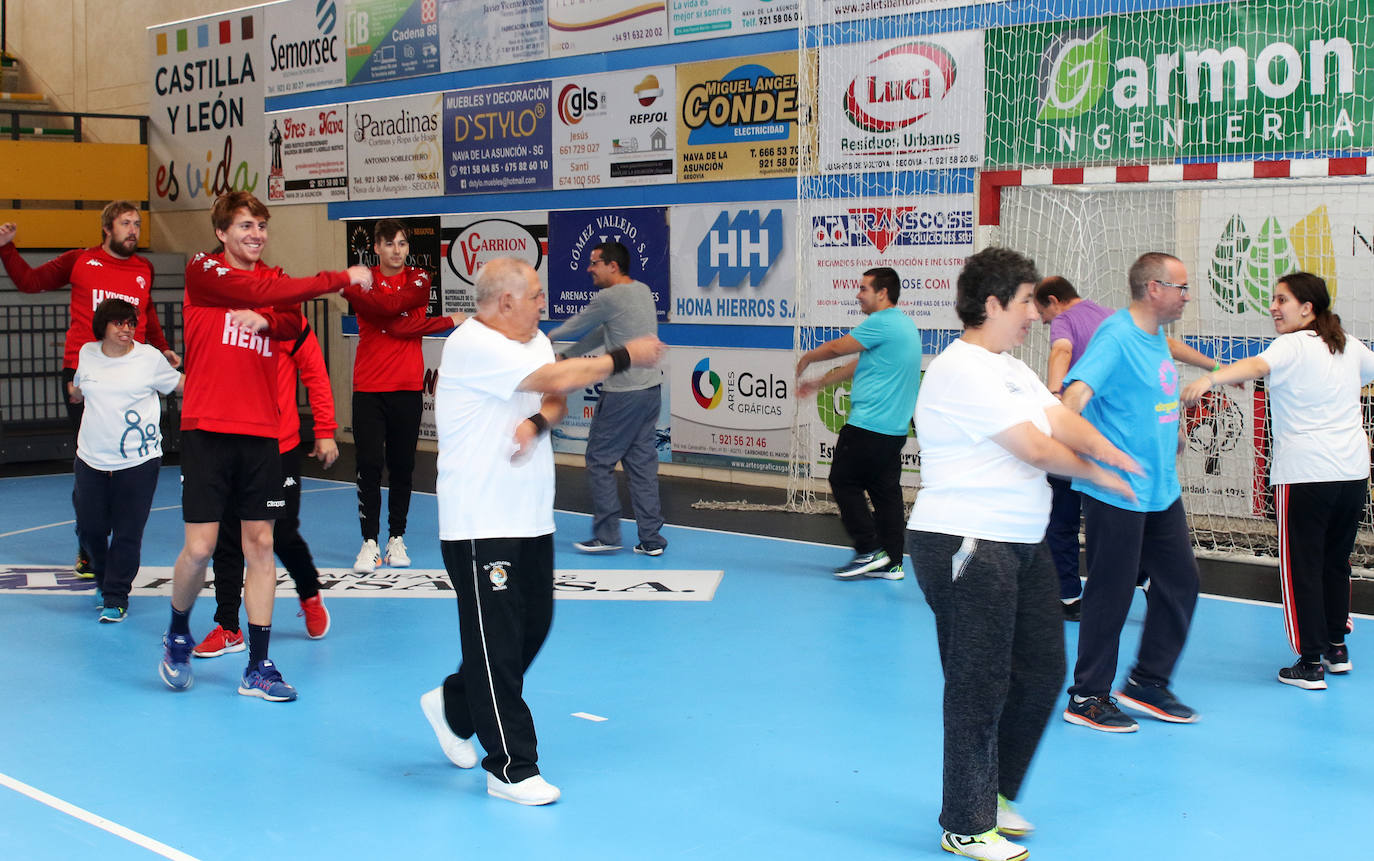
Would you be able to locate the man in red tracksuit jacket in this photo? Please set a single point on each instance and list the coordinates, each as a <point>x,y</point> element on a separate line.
<point>230,421</point>
<point>388,375</point>
<point>301,357</point>
<point>110,269</point>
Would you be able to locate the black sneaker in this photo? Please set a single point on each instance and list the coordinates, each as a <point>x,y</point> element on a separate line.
<point>1073,610</point>
<point>861,564</point>
<point>1099,713</point>
<point>1337,659</point>
<point>1308,676</point>
<point>82,568</point>
<point>1156,700</point>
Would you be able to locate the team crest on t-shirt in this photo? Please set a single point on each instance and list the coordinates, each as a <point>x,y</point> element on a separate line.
<point>496,571</point>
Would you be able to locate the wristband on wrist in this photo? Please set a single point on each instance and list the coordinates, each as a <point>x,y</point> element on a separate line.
<point>540,423</point>
<point>620,359</point>
<point>1216,367</point>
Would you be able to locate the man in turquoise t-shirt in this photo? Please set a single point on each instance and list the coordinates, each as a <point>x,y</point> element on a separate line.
<point>1126,385</point>
<point>882,400</point>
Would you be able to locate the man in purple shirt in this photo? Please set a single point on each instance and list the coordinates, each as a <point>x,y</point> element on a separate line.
<point>1073,320</point>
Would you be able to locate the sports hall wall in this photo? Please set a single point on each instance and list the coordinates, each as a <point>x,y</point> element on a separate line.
<point>1234,134</point>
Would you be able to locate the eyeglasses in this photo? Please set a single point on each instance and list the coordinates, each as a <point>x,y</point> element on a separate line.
<point>125,324</point>
<point>1182,288</point>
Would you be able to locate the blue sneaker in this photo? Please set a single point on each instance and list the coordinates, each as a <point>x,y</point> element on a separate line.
<point>264,681</point>
<point>175,668</point>
<point>99,599</point>
<point>112,615</point>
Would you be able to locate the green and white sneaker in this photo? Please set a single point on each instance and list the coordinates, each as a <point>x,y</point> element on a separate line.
<point>1010,822</point>
<point>988,846</point>
<point>894,572</point>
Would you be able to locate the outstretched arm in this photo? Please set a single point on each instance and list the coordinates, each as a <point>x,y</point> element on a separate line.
<point>1237,372</point>
<point>559,378</point>
<point>53,275</point>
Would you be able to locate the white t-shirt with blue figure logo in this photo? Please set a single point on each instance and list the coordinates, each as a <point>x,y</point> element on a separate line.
<point>119,427</point>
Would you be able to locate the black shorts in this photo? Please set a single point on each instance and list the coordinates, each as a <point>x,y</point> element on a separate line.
<point>229,474</point>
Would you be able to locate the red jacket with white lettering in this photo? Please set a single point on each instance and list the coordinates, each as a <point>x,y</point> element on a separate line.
<point>231,372</point>
<point>95,275</point>
<point>390,357</point>
<point>304,355</point>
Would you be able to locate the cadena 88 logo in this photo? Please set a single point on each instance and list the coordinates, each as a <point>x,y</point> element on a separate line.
<point>706,385</point>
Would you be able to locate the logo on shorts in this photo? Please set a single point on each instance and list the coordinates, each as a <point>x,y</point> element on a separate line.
<point>496,571</point>
<point>276,503</point>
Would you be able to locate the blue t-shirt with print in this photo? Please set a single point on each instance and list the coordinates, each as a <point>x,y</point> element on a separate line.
<point>882,397</point>
<point>1135,406</point>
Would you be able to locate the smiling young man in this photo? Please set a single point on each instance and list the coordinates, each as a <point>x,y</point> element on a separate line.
<point>111,269</point>
<point>868,454</point>
<point>235,307</point>
<point>388,375</point>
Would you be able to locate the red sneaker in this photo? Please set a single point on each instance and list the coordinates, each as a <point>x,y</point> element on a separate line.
<point>316,617</point>
<point>219,642</point>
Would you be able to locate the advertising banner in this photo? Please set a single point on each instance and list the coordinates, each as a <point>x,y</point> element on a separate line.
<point>423,235</point>
<point>205,130</point>
<point>1217,467</point>
<point>591,26</point>
<point>307,155</point>
<point>1204,81</point>
<point>707,19</point>
<point>738,118</point>
<point>735,263</point>
<point>391,39</point>
<point>925,238</point>
<point>305,49</point>
<point>615,128</point>
<point>479,33</point>
<point>856,10</point>
<point>573,235</point>
<point>468,242</point>
<point>731,408</point>
<point>394,147</point>
<point>905,104</point>
<point>498,139</point>
<point>1249,237</point>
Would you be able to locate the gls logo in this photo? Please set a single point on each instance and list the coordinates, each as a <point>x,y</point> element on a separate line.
<point>900,87</point>
<point>706,385</point>
<point>1073,73</point>
<point>574,101</point>
<point>739,248</point>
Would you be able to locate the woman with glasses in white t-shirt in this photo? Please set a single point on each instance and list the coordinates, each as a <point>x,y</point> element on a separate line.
<point>989,431</point>
<point>1320,467</point>
<point>118,448</point>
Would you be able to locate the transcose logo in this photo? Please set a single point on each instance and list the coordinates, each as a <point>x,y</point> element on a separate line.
<point>901,86</point>
<point>702,373</point>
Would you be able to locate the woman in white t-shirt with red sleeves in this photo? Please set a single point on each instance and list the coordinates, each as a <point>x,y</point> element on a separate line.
<point>1320,467</point>
<point>989,431</point>
<point>118,448</point>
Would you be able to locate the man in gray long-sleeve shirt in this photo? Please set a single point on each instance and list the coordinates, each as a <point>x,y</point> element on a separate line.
<point>623,429</point>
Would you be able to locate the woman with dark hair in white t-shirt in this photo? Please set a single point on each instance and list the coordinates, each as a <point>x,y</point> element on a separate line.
<point>118,448</point>
<point>1320,468</point>
<point>989,431</point>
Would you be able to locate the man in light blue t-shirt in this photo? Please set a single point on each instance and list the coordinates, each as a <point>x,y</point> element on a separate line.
<point>882,399</point>
<point>1126,385</point>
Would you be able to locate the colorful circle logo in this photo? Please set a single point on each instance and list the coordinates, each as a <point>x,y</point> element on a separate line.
<point>702,374</point>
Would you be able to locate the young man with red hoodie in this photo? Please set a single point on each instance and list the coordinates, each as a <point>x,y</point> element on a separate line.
<point>236,308</point>
<point>300,357</point>
<point>110,269</point>
<point>388,375</point>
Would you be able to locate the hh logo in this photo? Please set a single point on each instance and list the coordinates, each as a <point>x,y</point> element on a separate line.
<point>744,247</point>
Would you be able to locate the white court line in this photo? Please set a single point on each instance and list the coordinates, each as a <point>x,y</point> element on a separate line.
<point>92,819</point>
<point>590,717</point>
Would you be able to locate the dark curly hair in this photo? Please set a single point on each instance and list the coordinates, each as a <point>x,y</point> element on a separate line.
<point>994,272</point>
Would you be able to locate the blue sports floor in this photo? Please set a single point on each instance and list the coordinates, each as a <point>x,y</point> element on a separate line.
<point>791,716</point>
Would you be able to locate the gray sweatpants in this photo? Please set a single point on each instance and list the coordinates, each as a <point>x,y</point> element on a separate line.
<point>1001,636</point>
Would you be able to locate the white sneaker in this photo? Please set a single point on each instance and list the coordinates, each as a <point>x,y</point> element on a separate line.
<point>988,846</point>
<point>459,751</point>
<point>532,790</point>
<point>1010,822</point>
<point>396,555</point>
<point>368,558</point>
